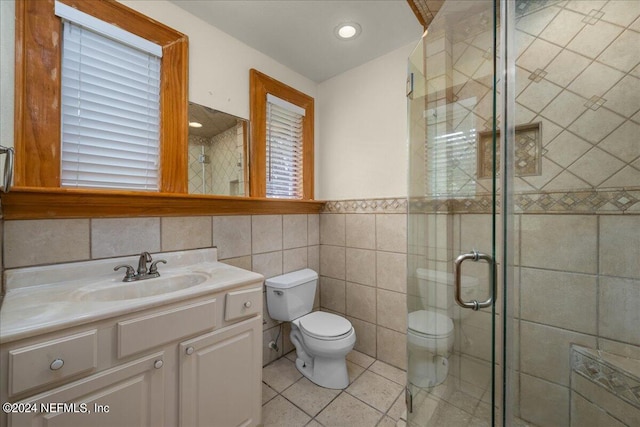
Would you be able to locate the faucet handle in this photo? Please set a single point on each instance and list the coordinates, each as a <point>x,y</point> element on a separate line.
<point>129,275</point>
<point>154,266</point>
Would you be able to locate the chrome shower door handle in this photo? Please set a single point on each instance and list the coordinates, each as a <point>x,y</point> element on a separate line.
<point>457,267</point>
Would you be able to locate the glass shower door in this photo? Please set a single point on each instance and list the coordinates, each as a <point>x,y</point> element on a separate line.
<point>453,326</point>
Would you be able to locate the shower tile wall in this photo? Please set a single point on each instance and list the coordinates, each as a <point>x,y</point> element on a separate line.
<point>363,272</point>
<point>223,165</point>
<point>578,71</point>
<point>268,244</point>
<point>577,222</point>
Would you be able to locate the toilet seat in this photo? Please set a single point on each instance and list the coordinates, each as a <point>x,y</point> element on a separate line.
<point>324,326</point>
<point>429,324</point>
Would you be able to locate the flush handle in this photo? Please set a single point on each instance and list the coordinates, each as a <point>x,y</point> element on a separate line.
<point>475,256</point>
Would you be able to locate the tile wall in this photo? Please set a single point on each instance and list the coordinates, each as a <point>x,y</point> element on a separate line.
<point>605,389</point>
<point>222,170</point>
<point>577,247</point>
<point>363,257</point>
<point>268,244</point>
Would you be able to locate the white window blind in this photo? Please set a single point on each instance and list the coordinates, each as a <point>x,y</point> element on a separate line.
<point>284,148</point>
<point>110,108</point>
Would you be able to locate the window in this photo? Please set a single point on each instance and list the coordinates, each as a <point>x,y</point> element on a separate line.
<point>40,158</point>
<point>110,105</point>
<point>282,140</point>
<point>284,149</point>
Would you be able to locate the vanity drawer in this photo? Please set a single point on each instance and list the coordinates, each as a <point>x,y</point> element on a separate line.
<point>243,303</point>
<point>52,361</point>
<point>143,333</point>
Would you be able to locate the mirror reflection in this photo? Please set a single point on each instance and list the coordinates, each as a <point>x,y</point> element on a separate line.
<point>218,147</point>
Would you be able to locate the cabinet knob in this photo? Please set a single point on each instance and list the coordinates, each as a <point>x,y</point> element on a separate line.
<point>247,304</point>
<point>189,350</point>
<point>56,364</point>
<point>158,364</point>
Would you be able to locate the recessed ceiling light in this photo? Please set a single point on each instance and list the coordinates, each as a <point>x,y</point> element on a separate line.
<point>195,124</point>
<point>347,31</point>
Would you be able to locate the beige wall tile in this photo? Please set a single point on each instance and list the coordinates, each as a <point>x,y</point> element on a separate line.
<point>268,354</point>
<point>179,233</point>
<point>361,231</point>
<point>112,237</point>
<point>294,231</point>
<point>332,229</point>
<point>361,266</point>
<point>240,262</point>
<point>268,264</point>
<point>332,261</point>
<point>313,258</point>
<point>46,241</point>
<point>333,294</point>
<point>543,403</point>
<point>626,413</point>
<point>391,271</point>
<point>620,246</point>
<point>593,39</point>
<point>621,349</point>
<point>392,347</point>
<point>392,310</point>
<point>563,27</point>
<point>587,414</point>
<point>475,233</point>
<point>365,336</point>
<point>564,300</point>
<point>619,316</point>
<point>266,233</point>
<point>313,229</point>
<point>232,235</point>
<point>545,351</point>
<point>391,232</point>
<point>270,323</point>
<point>361,302</point>
<point>294,259</point>
<point>561,242</point>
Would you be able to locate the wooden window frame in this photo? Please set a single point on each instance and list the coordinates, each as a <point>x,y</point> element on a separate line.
<point>261,85</point>
<point>38,88</point>
<point>37,194</point>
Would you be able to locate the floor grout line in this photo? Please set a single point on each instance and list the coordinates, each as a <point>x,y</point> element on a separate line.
<point>383,414</point>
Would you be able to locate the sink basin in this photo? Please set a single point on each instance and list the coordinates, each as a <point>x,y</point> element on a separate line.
<point>116,290</point>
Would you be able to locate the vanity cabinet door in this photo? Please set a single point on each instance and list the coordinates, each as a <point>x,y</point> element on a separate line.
<point>220,377</point>
<point>128,395</point>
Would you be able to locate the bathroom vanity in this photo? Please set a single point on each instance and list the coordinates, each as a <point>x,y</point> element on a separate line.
<point>80,347</point>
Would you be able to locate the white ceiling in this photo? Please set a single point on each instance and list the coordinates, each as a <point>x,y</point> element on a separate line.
<point>300,33</point>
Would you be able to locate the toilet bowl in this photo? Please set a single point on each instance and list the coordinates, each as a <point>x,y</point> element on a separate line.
<point>322,340</point>
<point>430,340</point>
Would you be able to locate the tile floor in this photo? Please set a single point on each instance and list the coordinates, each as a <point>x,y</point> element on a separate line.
<point>374,397</point>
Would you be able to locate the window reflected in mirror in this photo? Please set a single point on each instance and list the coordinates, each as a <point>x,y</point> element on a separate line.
<point>218,146</point>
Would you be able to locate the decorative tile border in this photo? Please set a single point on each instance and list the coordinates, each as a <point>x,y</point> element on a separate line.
<point>619,382</point>
<point>625,201</point>
<point>394,205</point>
<point>565,202</point>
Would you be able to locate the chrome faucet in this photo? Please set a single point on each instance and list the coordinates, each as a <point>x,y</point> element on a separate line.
<point>131,275</point>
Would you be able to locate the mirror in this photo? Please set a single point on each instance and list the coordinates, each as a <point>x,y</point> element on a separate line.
<point>218,152</point>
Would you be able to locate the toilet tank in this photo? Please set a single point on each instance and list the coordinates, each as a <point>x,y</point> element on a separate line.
<point>291,295</point>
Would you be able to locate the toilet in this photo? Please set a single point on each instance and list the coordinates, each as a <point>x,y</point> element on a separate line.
<point>430,341</point>
<point>430,332</point>
<point>322,340</point>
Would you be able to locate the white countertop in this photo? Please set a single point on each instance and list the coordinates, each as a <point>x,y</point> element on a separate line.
<point>47,298</point>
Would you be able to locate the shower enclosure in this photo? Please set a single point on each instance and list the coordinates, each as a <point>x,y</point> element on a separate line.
<point>524,215</point>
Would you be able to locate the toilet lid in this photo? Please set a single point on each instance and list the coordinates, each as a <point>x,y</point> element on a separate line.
<point>320,324</point>
<point>430,323</point>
